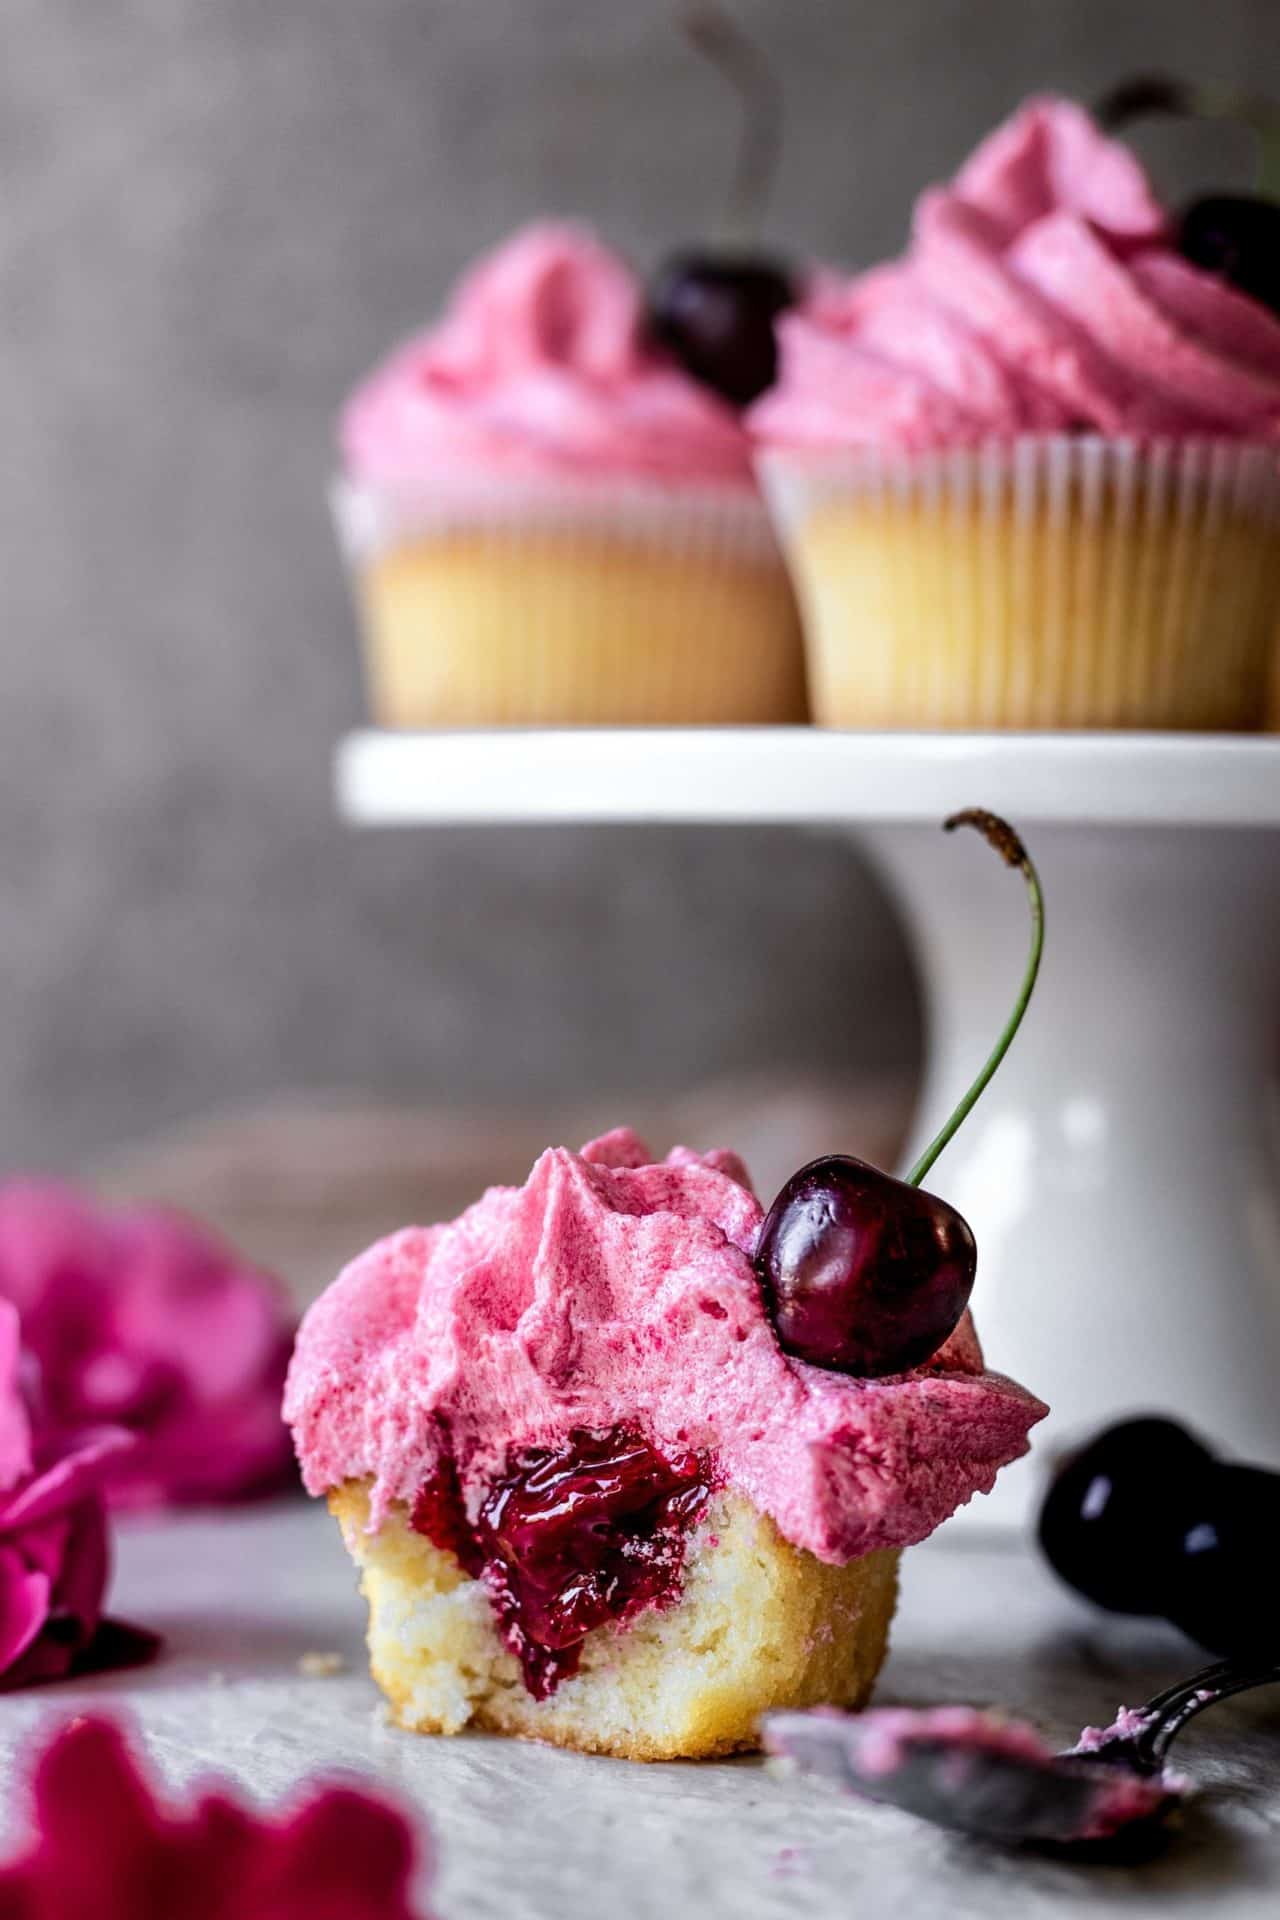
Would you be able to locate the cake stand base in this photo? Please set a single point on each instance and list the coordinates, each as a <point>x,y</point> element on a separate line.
<point>1120,1171</point>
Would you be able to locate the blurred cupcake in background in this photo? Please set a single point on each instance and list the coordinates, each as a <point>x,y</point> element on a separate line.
<point>1027,475</point>
<point>549,522</point>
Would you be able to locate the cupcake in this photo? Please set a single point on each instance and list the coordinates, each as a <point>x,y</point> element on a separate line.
<point>1026,476</point>
<point>592,1498</point>
<point>549,522</point>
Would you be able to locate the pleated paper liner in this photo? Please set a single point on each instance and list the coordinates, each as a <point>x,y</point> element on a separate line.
<point>1053,582</point>
<point>600,604</point>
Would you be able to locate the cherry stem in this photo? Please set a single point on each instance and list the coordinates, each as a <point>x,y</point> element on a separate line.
<point>711,31</point>
<point>999,834</point>
<point>1151,94</point>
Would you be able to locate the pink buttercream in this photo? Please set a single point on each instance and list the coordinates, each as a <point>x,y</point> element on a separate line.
<point>873,1747</point>
<point>1127,1725</point>
<point>1040,293</point>
<point>540,367</point>
<point>611,1289</point>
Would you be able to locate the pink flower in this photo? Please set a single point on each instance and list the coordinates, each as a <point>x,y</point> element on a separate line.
<point>142,1319</point>
<point>105,1850</point>
<point>54,1552</point>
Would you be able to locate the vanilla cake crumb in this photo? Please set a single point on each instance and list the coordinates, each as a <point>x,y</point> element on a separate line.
<point>759,1625</point>
<point>320,1666</point>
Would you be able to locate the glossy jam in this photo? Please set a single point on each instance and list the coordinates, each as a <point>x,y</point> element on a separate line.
<point>570,1537</point>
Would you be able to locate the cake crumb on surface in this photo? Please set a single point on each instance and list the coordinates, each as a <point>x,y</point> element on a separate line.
<point>321,1666</point>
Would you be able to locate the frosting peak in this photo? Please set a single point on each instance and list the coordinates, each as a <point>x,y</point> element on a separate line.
<point>1051,157</point>
<point>1041,293</point>
<point>610,1289</point>
<point>551,297</point>
<point>541,364</point>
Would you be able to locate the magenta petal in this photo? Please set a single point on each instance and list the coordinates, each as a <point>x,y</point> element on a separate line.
<point>50,1235</point>
<point>86,1566</point>
<point>44,1546</point>
<point>15,1431</point>
<point>341,1857</point>
<point>146,1320</point>
<point>53,1575</point>
<point>98,1825</point>
<point>106,1850</point>
<point>211,1453</point>
<point>186,1297</point>
<point>66,1479</point>
<point>24,1607</point>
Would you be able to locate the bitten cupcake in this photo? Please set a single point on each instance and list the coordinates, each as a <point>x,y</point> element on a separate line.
<point>593,1498</point>
<point>1027,475</point>
<point>548,521</point>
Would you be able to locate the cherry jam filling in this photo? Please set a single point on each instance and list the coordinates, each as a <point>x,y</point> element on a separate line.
<point>569,1537</point>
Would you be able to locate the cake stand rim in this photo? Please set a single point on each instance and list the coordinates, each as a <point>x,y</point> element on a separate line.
<point>803,775</point>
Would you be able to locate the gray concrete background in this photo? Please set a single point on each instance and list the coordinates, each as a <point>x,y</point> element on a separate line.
<point>214,215</point>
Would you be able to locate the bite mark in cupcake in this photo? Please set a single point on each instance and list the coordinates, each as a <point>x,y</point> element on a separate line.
<point>602,1331</point>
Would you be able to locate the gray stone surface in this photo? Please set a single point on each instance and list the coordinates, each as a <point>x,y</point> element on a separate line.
<point>214,217</point>
<point>529,1833</point>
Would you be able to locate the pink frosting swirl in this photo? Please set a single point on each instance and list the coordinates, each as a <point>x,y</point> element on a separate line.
<point>540,365</point>
<point>610,1289</point>
<point>1040,293</point>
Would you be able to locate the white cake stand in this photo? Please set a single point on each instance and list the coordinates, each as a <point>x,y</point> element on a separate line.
<point>1121,1172</point>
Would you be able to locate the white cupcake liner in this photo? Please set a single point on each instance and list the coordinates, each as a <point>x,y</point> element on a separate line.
<point>561,603</point>
<point>689,517</point>
<point>1054,581</point>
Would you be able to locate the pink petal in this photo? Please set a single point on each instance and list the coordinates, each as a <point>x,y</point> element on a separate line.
<point>70,1477</point>
<point>24,1607</point>
<point>229,1451</point>
<point>53,1240</point>
<point>341,1857</point>
<point>94,1812</point>
<point>15,1431</point>
<point>146,1320</point>
<point>86,1567</point>
<point>60,1566</point>
<point>185,1297</point>
<point>104,1850</point>
<point>42,1547</point>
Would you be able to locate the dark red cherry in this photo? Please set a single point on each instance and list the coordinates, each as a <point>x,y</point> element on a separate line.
<point>862,1272</point>
<point>715,309</point>
<point>717,315</point>
<point>865,1273</point>
<point>1112,1522</point>
<point>1236,235</point>
<point>1222,1589</point>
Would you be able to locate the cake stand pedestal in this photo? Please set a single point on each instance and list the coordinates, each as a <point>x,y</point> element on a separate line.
<point>1121,1171</point>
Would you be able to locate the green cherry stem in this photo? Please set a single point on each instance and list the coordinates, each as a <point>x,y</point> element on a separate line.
<point>721,41</point>
<point>1157,95</point>
<point>999,834</point>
